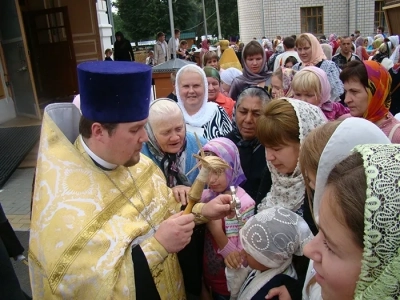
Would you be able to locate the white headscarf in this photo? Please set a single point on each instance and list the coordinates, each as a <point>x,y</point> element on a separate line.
<point>350,133</point>
<point>207,110</point>
<point>229,74</point>
<point>272,237</point>
<point>288,190</point>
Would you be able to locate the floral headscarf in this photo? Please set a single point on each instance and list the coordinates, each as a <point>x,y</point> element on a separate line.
<point>225,149</point>
<point>380,269</point>
<point>168,161</point>
<point>288,190</point>
<point>379,84</point>
<point>287,78</point>
<point>317,54</point>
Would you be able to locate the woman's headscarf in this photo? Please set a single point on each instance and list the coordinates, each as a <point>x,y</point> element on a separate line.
<point>379,36</point>
<point>229,74</point>
<point>379,84</point>
<point>380,269</point>
<point>272,237</point>
<point>287,78</point>
<point>332,37</point>
<point>325,97</point>
<point>350,133</point>
<point>169,162</point>
<point>359,46</point>
<point>207,110</point>
<point>254,143</point>
<point>248,76</point>
<point>205,44</point>
<point>394,39</point>
<point>225,149</point>
<point>317,54</point>
<point>370,41</point>
<point>377,43</point>
<point>212,72</point>
<point>327,50</point>
<point>288,190</point>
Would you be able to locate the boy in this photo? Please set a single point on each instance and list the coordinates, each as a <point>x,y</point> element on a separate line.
<point>108,54</point>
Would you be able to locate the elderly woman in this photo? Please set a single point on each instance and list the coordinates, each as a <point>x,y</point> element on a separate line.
<point>172,149</point>
<point>204,118</point>
<point>169,145</point>
<point>311,54</point>
<point>367,85</point>
<point>214,88</point>
<point>255,72</point>
<point>252,154</point>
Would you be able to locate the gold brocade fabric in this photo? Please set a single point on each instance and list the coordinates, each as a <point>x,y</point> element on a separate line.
<point>82,227</point>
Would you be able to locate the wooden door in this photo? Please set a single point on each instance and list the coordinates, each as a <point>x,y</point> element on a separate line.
<point>53,55</point>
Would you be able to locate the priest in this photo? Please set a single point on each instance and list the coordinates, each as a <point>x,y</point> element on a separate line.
<point>104,223</point>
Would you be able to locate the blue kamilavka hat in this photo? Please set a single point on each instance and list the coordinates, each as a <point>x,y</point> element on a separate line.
<point>114,91</point>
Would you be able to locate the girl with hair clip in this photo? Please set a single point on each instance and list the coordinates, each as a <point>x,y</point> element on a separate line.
<point>222,236</point>
<point>281,81</point>
<point>323,148</point>
<point>312,86</point>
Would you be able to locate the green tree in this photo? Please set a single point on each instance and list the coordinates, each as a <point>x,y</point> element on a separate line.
<point>143,19</point>
<point>229,20</point>
<point>119,26</point>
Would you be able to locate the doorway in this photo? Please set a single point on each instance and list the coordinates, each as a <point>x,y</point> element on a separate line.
<point>52,54</point>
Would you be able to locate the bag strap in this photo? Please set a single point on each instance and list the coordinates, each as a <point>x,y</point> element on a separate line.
<point>393,131</point>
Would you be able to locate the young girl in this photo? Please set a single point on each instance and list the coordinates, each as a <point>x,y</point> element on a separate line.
<point>270,239</point>
<point>311,85</point>
<point>290,62</point>
<point>281,81</point>
<point>222,236</point>
<point>211,59</point>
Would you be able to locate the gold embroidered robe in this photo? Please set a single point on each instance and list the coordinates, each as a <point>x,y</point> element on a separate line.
<point>82,227</point>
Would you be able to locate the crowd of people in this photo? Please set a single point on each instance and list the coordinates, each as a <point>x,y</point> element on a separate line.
<point>303,201</point>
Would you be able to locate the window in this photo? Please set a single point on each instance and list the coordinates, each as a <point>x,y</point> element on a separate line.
<point>312,19</point>
<point>379,14</point>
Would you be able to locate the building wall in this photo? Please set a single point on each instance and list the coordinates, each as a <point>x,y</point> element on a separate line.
<point>282,17</point>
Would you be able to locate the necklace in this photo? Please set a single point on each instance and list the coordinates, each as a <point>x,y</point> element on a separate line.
<point>145,217</point>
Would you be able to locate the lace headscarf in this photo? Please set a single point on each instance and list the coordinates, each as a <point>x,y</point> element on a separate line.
<point>350,133</point>
<point>226,150</point>
<point>379,84</point>
<point>169,162</point>
<point>288,190</point>
<point>272,237</point>
<point>207,110</point>
<point>380,269</point>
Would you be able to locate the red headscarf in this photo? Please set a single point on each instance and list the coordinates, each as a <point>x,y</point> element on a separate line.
<point>379,84</point>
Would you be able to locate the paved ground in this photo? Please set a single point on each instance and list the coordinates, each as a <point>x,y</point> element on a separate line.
<point>15,197</point>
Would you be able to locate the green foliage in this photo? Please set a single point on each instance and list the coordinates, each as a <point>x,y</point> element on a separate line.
<point>228,14</point>
<point>143,19</point>
<point>119,26</point>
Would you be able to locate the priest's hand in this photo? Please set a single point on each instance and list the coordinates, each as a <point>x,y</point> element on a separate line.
<point>218,208</point>
<point>175,232</point>
<point>280,292</point>
<point>181,193</point>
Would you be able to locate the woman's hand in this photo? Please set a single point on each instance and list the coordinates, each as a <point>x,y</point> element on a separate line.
<point>233,260</point>
<point>181,193</point>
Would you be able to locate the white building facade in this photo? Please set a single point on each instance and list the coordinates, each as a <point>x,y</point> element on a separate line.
<point>269,18</point>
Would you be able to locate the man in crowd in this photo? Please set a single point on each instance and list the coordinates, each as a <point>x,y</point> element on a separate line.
<point>104,223</point>
<point>346,54</point>
<point>161,52</point>
<point>288,45</point>
<point>171,44</point>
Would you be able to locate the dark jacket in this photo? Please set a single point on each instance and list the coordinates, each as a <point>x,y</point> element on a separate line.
<point>123,49</point>
<point>253,165</point>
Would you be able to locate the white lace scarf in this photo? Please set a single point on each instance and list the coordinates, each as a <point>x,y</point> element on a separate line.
<point>288,190</point>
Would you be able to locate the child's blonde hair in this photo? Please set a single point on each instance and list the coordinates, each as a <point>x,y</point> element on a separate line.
<point>107,51</point>
<point>307,81</point>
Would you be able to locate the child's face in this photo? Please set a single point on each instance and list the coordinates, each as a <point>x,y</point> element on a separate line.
<point>218,182</point>
<point>289,65</point>
<point>109,53</point>
<point>151,54</point>
<point>307,96</point>
<point>277,87</point>
<point>212,63</point>
<point>252,263</point>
